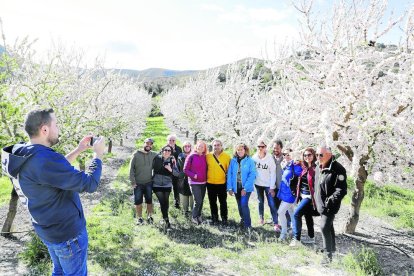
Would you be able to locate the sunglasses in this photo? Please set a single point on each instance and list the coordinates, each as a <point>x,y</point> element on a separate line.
<point>307,155</point>
<point>319,154</point>
<point>167,150</point>
<point>286,154</point>
<point>187,146</point>
<point>260,147</point>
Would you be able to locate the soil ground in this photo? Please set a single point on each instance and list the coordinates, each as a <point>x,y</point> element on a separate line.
<point>395,248</point>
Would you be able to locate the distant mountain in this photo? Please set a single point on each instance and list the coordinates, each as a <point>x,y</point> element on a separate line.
<point>155,73</point>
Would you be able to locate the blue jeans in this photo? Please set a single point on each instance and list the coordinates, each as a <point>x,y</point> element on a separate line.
<point>261,192</point>
<point>69,257</point>
<point>304,208</point>
<point>243,205</point>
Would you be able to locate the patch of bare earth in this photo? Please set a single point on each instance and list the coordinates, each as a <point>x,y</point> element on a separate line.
<point>12,246</point>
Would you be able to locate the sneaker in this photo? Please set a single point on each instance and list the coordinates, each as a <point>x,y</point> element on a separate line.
<point>261,221</point>
<point>308,240</point>
<point>277,228</point>
<point>294,243</point>
<point>200,220</point>
<point>150,220</point>
<point>283,237</point>
<point>140,221</point>
<point>194,220</point>
<point>326,260</point>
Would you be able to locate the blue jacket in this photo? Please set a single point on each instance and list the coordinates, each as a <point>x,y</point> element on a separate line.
<point>49,186</point>
<point>248,174</point>
<point>285,194</point>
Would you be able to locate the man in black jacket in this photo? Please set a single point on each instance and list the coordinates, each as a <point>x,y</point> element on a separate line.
<point>330,188</point>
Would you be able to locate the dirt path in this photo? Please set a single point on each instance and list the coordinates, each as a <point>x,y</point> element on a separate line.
<point>392,260</point>
<point>11,247</point>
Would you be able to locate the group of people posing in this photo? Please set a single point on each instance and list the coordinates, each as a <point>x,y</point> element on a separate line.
<point>311,185</point>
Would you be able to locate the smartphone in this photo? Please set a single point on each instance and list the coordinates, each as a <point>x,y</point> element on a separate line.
<point>93,140</point>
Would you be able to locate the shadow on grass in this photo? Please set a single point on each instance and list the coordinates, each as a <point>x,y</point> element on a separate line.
<point>231,237</point>
<point>137,262</point>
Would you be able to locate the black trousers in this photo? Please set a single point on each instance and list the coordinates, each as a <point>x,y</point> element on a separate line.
<point>175,190</point>
<point>328,234</point>
<point>163,198</point>
<point>217,191</point>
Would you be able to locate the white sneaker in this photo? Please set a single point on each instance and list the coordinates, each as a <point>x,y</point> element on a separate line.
<point>294,243</point>
<point>309,240</point>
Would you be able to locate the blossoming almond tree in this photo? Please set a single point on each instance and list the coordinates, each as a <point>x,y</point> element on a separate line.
<point>351,94</point>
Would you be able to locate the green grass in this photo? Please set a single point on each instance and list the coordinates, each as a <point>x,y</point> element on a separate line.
<point>391,202</point>
<point>118,246</point>
<point>5,190</point>
<point>361,263</point>
<point>157,130</point>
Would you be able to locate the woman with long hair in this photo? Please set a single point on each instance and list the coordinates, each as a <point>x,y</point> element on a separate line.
<point>195,167</point>
<point>305,198</point>
<point>186,197</point>
<point>164,166</point>
<point>240,181</point>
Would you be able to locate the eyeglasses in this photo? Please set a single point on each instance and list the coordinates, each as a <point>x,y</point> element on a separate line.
<point>307,155</point>
<point>166,150</point>
<point>260,147</point>
<point>187,146</point>
<point>319,154</point>
<point>171,140</point>
<point>286,154</point>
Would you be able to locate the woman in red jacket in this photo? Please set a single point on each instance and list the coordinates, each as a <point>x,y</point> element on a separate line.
<point>305,197</point>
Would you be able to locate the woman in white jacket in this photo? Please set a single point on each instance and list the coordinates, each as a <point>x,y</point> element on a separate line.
<point>265,182</point>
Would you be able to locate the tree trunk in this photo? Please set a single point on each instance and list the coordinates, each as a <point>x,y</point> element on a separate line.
<point>82,164</point>
<point>110,146</point>
<point>195,138</point>
<point>10,214</point>
<point>357,197</point>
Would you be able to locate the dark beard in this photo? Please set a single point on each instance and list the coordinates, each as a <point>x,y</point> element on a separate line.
<point>147,148</point>
<point>53,142</point>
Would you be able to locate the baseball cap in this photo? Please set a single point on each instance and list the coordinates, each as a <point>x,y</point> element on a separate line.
<point>150,140</point>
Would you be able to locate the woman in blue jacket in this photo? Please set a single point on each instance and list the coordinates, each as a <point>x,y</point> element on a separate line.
<point>240,181</point>
<point>287,191</point>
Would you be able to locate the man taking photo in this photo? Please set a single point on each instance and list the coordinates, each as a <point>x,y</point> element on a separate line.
<point>49,186</point>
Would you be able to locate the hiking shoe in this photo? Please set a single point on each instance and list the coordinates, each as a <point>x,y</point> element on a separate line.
<point>199,220</point>
<point>308,240</point>
<point>194,220</point>
<point>150,220</point>
<point>294,243</point>
<point>277,228</point>
<point>140,221</point>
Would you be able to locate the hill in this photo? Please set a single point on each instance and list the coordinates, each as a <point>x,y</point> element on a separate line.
<point>154,73</point>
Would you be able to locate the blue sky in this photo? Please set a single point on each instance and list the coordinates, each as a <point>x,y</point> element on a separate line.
<point>137,34</point>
